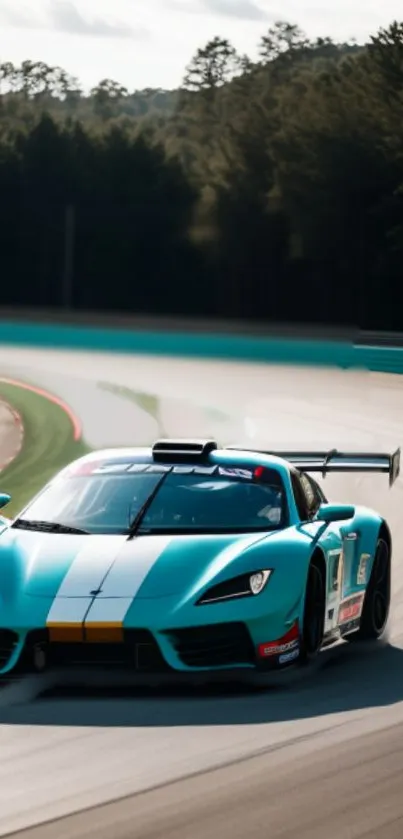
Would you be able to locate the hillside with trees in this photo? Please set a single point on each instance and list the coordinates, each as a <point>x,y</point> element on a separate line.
<point>263,190</point>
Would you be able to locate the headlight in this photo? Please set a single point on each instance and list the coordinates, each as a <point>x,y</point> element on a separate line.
<point>247,585</point>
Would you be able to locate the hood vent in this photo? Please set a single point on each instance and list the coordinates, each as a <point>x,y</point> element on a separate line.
<point>182,450</point>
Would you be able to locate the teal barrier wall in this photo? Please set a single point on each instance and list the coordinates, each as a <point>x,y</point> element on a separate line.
<point>247,348</point>
<point>381,359</point>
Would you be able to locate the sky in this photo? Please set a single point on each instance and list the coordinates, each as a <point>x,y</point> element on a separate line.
<point>148,43</point>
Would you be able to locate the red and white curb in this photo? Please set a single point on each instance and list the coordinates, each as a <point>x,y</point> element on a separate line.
<point>74,419</point>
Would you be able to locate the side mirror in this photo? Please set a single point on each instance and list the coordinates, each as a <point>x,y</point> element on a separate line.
<point>4,499</point>
<point>335,512</point>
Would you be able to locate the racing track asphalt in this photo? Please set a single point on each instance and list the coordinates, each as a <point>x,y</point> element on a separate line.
<point>11,434</point>
<point>321,756</point>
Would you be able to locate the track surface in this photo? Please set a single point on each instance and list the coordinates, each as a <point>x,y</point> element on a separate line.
<point>323,756</point>
<point>11,434</point>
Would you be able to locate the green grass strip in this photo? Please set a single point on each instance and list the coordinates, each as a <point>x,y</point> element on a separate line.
<point>48,445</point>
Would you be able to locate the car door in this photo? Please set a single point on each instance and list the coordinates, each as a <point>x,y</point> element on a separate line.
<point>309,496</point>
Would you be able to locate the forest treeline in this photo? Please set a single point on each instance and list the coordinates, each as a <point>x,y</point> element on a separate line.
<point>268,189</point>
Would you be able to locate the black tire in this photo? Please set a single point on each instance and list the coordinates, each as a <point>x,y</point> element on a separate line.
<point>314,615</point>
<point>376,608</point>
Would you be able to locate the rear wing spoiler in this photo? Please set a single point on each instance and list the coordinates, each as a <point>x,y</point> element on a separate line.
<point>335,461</point>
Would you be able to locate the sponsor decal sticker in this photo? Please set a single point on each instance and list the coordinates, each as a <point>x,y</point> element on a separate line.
<point>195,470</point>
<point>116,467</point>
<point>82,469</point>
<point>275,648</point>
<point>285,659</point>
<point>283,645</point>
<point>123,467</point>
<point>362,569</point>
<point>351,626</point>
<point>351,608</point>
<point>111,468</point>
<point>235,473</point>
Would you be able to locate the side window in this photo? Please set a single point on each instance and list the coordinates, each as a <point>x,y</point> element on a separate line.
<point>300,498</point>
<point>312,493</point>
<point>320,495</point>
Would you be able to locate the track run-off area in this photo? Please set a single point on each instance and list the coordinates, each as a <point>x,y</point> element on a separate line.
<point>322,755</point>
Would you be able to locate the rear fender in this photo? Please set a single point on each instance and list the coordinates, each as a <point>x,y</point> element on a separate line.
<point>346,555</point>
<point>359,545</point>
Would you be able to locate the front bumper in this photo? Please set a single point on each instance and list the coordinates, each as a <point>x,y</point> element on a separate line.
<point>214,650</point>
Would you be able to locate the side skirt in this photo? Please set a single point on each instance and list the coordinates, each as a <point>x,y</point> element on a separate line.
<point>338,634</point>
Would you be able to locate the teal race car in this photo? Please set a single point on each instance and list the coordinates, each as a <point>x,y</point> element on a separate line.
<point>185,561</point>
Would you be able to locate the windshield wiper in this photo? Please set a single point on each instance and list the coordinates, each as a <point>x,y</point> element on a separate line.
<point>48,527</point>
<point>133,527</point>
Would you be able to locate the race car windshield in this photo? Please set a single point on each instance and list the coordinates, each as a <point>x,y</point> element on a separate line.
<point>188,503</point>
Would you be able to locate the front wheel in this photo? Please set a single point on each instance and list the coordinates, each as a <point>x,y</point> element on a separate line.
<point>376,608</point>
<point>314,615</point>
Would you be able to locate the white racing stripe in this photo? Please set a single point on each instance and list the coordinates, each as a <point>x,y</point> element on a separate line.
<point>126,577</point>
<point>68,610</point>
<point>86,573</point>
<point>108,610</point>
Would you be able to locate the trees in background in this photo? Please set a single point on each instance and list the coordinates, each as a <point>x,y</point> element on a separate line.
<point>268,189</point>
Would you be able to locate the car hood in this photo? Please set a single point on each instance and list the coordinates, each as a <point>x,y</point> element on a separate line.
<point>150,566</point>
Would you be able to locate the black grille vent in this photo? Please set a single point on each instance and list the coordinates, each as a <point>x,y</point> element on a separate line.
<point>139,652</point>
<point>217,645</point>
<point>8,642</point>
<point>148,656</point>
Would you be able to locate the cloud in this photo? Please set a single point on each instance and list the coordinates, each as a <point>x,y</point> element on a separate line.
<point>241,9</point>
<point>65,17</point>
<point>23,19</point>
